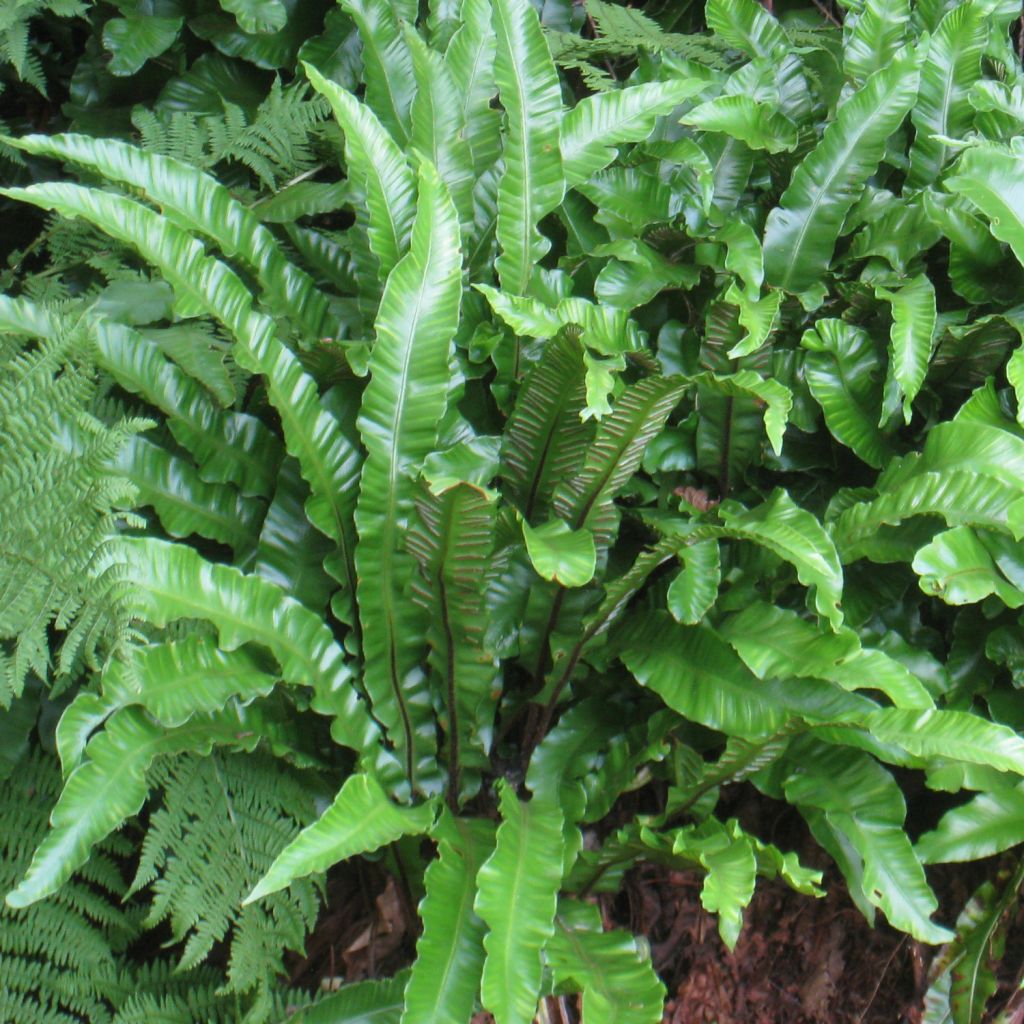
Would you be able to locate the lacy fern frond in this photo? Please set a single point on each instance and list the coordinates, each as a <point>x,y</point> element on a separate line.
<point>223,820</point>
<point>16,44</point>
<point>621,32</point>
<point>61,511</point>
<point>274,145</point>
<point>57,957</point>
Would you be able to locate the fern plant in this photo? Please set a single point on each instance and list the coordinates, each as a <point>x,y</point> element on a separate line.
<point>648,442</point>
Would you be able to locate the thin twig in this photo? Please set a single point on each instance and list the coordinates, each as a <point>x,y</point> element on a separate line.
<point>881,977</point>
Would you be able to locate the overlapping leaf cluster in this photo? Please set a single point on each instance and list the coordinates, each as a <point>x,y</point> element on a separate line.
<point>545,445</point>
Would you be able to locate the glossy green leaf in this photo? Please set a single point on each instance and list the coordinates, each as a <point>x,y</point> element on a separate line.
<point>401,410</point>
<point>328,459</point>
<point>201,355</point>
<point>911,337</point>
<point>290,552</point>
<point>991,179</point>
<point>778,643</point>
<point>175,681</point>
<point>600,122</point>
<point>381,168</point>
<point>136,39</point>
<point>611,969</point>
<point>586,500</point>
<point>840,369</point>
<point>698,675</point>
<point>452,541</point>
<point>968,473</point>
<point>747,26</point>
<point>729,883</point>
<point>958,735</point>
<point>185,503</point>
<point>861,802</point>
<point>438,126</point>
<point>387,63</point>
<point>199,203</point>
<point>174,582</point>
<point>797,536</point>
<point>361,820</point>
<point>750,121</point>
<point>801,233</point>
<point>777,398</point>
<point>560,553</point>
<point>110,786</point>
<point>743,255</point>
<point>257,15</point>
<point>516,898</point>
<point>958,568</point>
<point>951,66</point>
<point>532,183</point>
<point>545,438</point>
<point>873,36</point>
<point>470,60</point>
<point>695,588</point>
<point>445,978</point>
<point>757,316</point>
<point>986,825</point>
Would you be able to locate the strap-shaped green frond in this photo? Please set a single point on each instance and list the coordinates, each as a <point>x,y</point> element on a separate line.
<point>990,177</point>
<point>700,677</point>
<point>599,123</point>
<point>615,454</point>
<point>951,66</point>
<point>911,340</point>
<point>850,800</point>
<point>777,398</point>
<point>796,535</point>
<point>840,369</point>
<point>801,233</point>
<point>110,786</point>
<point>984,826</point>
<point>776,642</point>
<point>361,820</point>
<point>401,410</point>
<point>445,979</point>
<point>378,164</point>
<point>517,899</point>
<point>438,125</point>
<point>873,36</point>
<point>967,472</point>
<point>452,539</point>
<point>200,204</point>
<point>390,83</point>
<point>747,26</point>
<point>611,969</point>
<point>545,439</point>
<point>470,61</point>
<point>174,582</point>
<point>329,461</point>
<point>532,184</point>
<point>185,503</point>
<point>172,681</point>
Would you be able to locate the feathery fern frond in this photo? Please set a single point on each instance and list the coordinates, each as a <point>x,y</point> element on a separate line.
<point>223,820</point>
<point>61,508</point>
<point>57,958</point>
